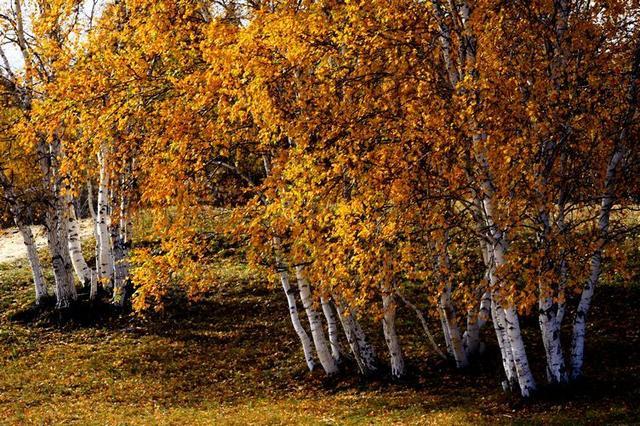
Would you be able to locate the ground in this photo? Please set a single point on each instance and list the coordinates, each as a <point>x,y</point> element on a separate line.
<point>12,246</point>
<point>234,359</point>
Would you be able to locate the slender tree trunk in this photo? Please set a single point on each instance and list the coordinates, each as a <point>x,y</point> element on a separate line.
<point>332,327</point>
<point>56,223</point>
<point>295,318</point>
<point>476,319</point>
<point>17,210</point>
<point>121,253</point>
<point>499,324</point>
<point>93,292</point>
<point>82,270</point>
<point>315,322</point>
<point>550,328</point>
<point>512,324</point>
<point>423,322</point>
<point>104,258</point>
<point>390,335</point>
<point>580,323</point>
<point>362,351</point>
<point>448,316</point>
<point>34,261</point>
<point>62,269</point>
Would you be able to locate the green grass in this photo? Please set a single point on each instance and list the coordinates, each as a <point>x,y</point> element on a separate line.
<point>234,359</point>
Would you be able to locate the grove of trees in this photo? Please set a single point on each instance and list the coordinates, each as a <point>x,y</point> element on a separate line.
<point>478,155</point>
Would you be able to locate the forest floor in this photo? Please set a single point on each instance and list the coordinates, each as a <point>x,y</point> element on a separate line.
<point>233,358</point>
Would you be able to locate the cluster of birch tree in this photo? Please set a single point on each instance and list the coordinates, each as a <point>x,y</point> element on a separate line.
<point>478,155</point>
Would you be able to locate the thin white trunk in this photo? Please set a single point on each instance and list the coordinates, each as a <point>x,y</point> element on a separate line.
<point>34,262</point>
<point>448,318</point>
<point>580,322</point>
<point>315,322</point>
<point>57,237</point>
<point>550,329</point>
<point>390,335</point>
<point>295,318</point>
<point>17,210</point>
<point>424,324</point>
<point>512,323</point>
<point>362,351</point>
<point>332,327</point>
<point>476,319</point>
<point>525,378</point>
<point>121,253</point>
<point>445,332</point>
<point>104,257</point>
<point>499,325</point>
<point>93,292</point>
<point>82,270</point>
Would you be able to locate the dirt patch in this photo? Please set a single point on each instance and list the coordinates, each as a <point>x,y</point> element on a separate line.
<point>12,246</point>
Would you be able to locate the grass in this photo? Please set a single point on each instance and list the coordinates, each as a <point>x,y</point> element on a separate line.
<point>233,358</point>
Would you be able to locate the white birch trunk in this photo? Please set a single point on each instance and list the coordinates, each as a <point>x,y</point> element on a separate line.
<point>315,322</point>
<point>34,262</point>
<point>391,336</point>
<point>121,253</point>
<point>27,237</point>
<point>57,237</point>
<point>550,329</point>
<point>499,325</point>
<point>56,224</point>
<point>332,328</point>
<point>512,323</point>
<point>448,318</point>
<point>580,322</point>
<point>295,318</point>
<point>362,351</point>
<point>93,292</point>
<point>82,270</point>
<point>476,320</point>
<point>104,257</point>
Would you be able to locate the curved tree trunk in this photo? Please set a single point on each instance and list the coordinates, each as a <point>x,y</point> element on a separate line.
<point>34,262</point>
<point>82,270</point>
<point>448,318</point>
<point>391,336</point>
<point>362,351</point>
<point>17,211</point>
<point>332,327</point>
<point>57,239</point>
<point>295,318</point>
<point>104,257</point>
<point>476,319</point>
<point>423,322</point>
<point>499,324</point>
<point>315,322</point>
<point>121,253</point>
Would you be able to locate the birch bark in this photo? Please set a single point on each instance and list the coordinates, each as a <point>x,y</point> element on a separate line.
<point>332,327</point>
<point>362,351</point>
<point>317,333</point>
<point>391,336</point>
<point>82,270</point>
<point>104,257</point>
<point>295,318</point>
